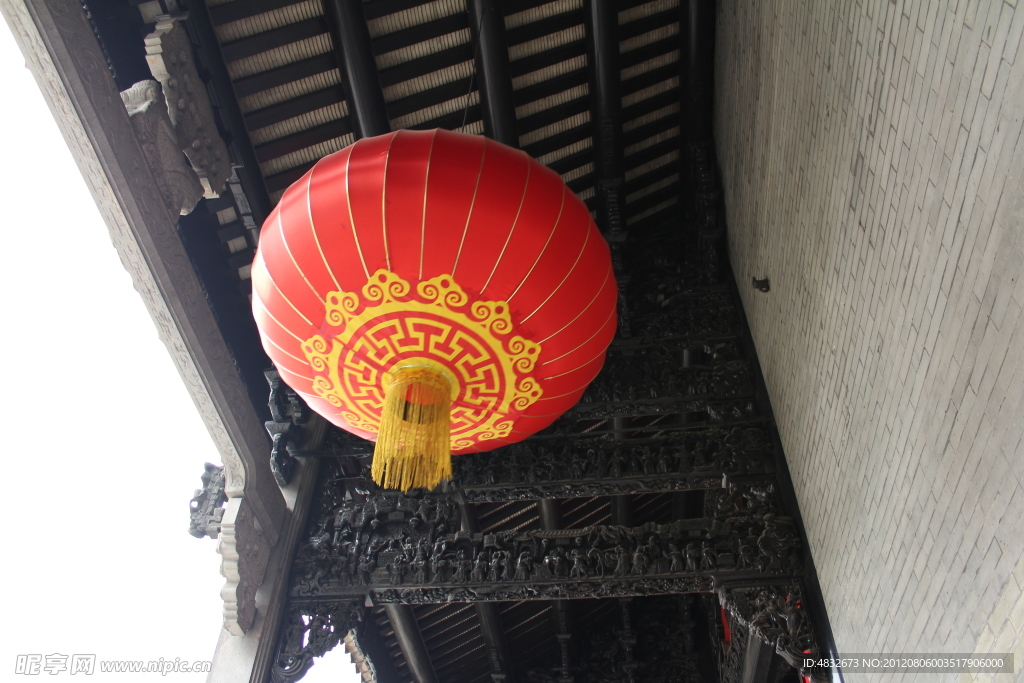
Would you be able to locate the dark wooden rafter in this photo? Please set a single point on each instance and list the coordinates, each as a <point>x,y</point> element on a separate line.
<point>278,37</point>
<point>416,68</point>
<point>282,75</point>
<point>544,27</point>
<point>302,139</point>
<point>494,80</point>
<point>296,106</point>
<point>421,32</point>
<point>351,37</point>
<point>545,58</point>
<point>236,11</point>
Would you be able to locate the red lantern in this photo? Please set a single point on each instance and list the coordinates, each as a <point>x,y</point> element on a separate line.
<point>436,292</point>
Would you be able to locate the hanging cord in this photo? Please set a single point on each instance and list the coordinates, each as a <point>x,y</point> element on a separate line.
<point>472,76</point>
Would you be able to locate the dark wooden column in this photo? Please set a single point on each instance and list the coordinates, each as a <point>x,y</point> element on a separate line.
<point>602,24</point>
<point>697,31</point>
<point>487,614</point>
<point>351,38</point>
<point>487,27</point>
<point>407,632</point>
<point>550,510</point>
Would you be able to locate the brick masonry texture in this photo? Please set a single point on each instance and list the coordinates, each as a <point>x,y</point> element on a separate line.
<point>872,159</point>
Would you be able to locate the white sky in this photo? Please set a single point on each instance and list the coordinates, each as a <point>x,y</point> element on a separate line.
<point>102,447</point>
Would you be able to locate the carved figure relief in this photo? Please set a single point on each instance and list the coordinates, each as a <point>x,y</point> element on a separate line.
<point>390,542</point>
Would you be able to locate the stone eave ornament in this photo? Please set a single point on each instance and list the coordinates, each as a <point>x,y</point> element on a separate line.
<point>435,292</point>
<point>169,54</point>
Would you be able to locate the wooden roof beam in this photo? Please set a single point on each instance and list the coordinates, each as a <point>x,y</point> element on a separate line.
<point>351,37</point>
<point>487,27</point>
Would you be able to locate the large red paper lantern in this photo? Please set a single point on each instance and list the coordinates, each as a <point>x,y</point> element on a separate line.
<point>433,291</point>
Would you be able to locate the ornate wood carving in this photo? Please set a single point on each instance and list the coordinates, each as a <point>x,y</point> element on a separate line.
<point>731,663</point>
<point>777,616</point>
<point>405,549</point>
<point>309,631</point>
<point>567,467</point>
<point>653,381</point>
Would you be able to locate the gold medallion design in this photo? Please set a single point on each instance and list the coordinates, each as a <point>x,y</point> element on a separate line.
<point>387,327</point>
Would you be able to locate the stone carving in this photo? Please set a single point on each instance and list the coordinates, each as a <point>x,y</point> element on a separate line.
<point>207,504</point>
<point>245,552</point>
<point>310,630</point>
<point>169,54</point>
<point>777,616</point>
<point>177,182</point>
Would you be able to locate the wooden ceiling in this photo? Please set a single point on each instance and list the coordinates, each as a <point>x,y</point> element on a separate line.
<point>294,82</point>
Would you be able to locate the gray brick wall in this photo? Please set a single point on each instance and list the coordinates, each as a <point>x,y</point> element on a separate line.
<point>872,159</point>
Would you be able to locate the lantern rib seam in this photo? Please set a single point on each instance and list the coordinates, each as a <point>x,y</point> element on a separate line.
<point>383,202</point>
<point>544,248</point>
<point>515,222</point>
<point>278,322</point>
<point>312,225</point>
<point>269,279</point>
<point>295,374</point>
<point>585,309</point>
<point>279,348</point>
<point>584,343</point>
<point>426,185</point>
<point>472,205</point>
<point>282,350</point>
<point>578,368</point>
<point>586,240</point>
<point>348,205</point>
<point>298,269</point>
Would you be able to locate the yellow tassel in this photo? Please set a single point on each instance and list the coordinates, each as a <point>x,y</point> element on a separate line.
<point>414,442</point>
